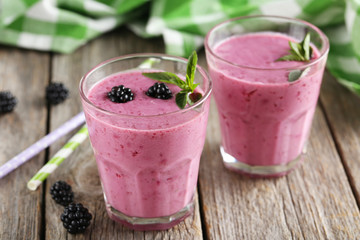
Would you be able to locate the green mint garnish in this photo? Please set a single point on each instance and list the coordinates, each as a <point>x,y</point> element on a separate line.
<point>299,51</point>
<point>296,74</point>
<point>186,95</point>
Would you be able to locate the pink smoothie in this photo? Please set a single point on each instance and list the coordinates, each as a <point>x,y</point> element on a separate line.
<point>148,163</point>
<point>265,119</point>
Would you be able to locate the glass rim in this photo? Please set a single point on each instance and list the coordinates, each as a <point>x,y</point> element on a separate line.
<point>203,73</point>
<point>323,51</point>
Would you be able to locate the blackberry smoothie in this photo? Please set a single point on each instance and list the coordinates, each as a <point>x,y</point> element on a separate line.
<point>147,151</point>
<point>265,119</point>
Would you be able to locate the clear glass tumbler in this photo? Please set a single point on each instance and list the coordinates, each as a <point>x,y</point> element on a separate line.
<point>265,120</point>
<point>148,164</point>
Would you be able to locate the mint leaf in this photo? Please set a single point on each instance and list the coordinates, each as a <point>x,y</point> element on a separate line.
<point>187,86</point>
<point>190,70</point>
<point>289,58</point>
<point>299,56</point>
<point>194,86</point>
<point>299,51</point>
<point>166,77</point>
<point>296,74</point>
<point>181,99</point>
<point>295,49</point>
<point>306,46</point>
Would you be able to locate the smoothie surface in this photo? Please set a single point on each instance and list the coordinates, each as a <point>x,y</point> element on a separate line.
<point>259,50</point>
<point>142,105</point>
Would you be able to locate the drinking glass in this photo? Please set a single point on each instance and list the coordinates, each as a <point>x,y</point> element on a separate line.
<point>265,124</point>
<point>148,165</point>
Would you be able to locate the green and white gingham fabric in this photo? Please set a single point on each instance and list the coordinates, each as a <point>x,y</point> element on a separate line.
<point>64,25</point>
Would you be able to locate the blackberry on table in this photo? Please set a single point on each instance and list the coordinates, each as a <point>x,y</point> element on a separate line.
<point>56,93</point>
<point>120,94</point>
<point>76,218</point>
<point>62,193</point>
<point>7,102</point>
<point>159,90</point>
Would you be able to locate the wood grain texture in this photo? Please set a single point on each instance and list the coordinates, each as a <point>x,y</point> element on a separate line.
<point>342,109</point>
<point>319,200</point>
<point>313,202</point>
<point>325,205</point>
<point>237,207</point>
<point>25,74</point>
<point>80,169</point>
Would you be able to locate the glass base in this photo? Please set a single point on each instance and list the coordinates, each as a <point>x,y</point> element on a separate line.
<point>259,171</point>
<point>156,223</point>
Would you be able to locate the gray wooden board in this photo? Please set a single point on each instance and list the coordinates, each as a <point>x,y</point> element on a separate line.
<point>342,109</point>
<point>319,200</point>
<point>25,74</point>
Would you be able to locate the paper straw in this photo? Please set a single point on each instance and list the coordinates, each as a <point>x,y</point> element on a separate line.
<point>41,144</point>
<point>58,158</point>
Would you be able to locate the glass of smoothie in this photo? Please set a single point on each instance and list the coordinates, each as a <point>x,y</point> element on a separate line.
<point>265,98</point>
<point>147,150</point>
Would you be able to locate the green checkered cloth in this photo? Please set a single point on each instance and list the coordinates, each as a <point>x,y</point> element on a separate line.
<point>64,25</point>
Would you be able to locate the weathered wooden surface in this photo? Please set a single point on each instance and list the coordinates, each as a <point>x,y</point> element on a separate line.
<point>342,109</point>
<point>319,200</point>
<point>314,200</point>
<point>23,73</point>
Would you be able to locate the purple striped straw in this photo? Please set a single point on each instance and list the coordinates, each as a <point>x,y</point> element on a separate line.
<point>41,144</point>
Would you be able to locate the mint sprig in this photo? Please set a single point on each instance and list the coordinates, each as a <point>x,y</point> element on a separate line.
<point>299,51</point>
<point>296,74</point>
<point>186,95</point>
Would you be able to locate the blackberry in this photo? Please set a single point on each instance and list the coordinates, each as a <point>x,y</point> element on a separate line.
<point>120,94</point>
<point>62,193</point>
<point>7,102</point>
<point>159,90</point>
<point>76,218</point>
<point>56,93</point>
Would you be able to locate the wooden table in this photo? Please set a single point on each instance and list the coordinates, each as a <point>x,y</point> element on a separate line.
<point>319,200</point>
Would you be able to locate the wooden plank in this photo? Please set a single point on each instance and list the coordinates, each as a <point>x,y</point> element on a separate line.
<point>236,207</point>
<point>313,202</point>
<point>321,193</point>
<point>80,169</point>
<point>343,114</point>
<point>25,74</point>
